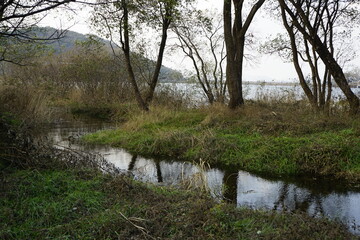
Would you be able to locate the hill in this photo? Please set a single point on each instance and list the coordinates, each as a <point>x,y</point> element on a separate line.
<point>68,39</point>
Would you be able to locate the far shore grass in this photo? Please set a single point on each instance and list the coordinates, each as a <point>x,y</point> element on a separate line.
<point>274,142</point>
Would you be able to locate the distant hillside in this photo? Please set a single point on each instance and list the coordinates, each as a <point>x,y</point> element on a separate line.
<point>169,75</point>
<point>68,40</point>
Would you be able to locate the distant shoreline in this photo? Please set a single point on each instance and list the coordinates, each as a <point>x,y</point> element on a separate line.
<point>291,84</point>
<point>352,85</point>
<point>271,83</point>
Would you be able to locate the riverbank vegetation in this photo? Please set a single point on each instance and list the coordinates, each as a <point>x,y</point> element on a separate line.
<point>47,196</point>
<point>267,138</point>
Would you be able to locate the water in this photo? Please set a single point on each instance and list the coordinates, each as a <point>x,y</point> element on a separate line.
<point>251,91</point>
<point>316,198</point>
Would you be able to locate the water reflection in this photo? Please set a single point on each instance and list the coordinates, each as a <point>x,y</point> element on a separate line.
<point>244,189</point>
<point>230,183</point>
<point>256,192</point>
<point>215,182</point>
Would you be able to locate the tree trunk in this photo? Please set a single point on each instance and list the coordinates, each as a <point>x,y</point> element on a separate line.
<point>155,78</point>
<point>234,61</point>
<point>234,34</point>
<point>294,49</point>
<point>234,80</point>
<point>126,50</point>
<point>338,75</point>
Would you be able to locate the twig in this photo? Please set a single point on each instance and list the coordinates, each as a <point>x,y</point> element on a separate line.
<point>131,221</point>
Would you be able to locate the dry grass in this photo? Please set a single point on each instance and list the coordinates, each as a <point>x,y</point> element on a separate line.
<point>276,118</point>
<point>158,113</point>
<point>197,181</point>
<point>29,105</point>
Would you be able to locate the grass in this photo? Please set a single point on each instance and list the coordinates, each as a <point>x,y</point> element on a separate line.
<point>47,200</point>
<point>35,202</point>
<point>257,139</point>
<point>85,204</point>
<point>29,105</point>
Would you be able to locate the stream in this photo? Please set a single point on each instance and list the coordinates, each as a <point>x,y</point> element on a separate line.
<point>315,197</point>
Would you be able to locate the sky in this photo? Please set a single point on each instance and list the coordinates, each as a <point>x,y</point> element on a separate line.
<point>265,68</point>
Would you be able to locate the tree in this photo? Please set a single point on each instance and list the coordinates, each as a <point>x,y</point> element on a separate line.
<point>235,36</point>
<point>307,17</point>
<point>198,36</point>
<point>325,17</point>
<point>124,18</point>
<point>17,17</point>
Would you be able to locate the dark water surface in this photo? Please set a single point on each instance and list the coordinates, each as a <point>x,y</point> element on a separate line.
<point>316,198</point>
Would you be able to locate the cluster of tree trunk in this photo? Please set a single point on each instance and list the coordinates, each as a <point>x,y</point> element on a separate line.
<point>313,20</point>
<point>312,23</point>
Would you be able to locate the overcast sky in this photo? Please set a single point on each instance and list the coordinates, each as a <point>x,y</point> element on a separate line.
<point>266,68</point>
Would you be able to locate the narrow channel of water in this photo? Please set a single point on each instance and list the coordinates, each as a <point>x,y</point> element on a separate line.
<point>316,198</point>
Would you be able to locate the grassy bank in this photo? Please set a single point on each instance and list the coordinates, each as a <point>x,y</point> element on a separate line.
<point>84,204</point>
<point>258,139</point>
<point>44,197</point>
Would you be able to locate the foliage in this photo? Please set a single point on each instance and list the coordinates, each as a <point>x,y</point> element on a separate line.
<point>315,23</point>
<point>29,105</point>
<point>87,74</point>
<point>324,18</point>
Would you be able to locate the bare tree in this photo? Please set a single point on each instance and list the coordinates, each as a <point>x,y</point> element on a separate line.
<point>326,18</point>
<point>123,18</point>
<point>17,17</point>
<point>235,36</point>
<point>198,36</point>
<point>315,20</point>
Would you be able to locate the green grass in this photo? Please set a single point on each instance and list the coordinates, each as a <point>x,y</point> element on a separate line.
<point>84,204</point>
<point>39,200</point>
<point>34,203</point>
<point>330,147</point>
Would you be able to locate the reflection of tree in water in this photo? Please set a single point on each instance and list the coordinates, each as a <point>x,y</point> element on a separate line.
<point>283,194</point>
<point>158,171</point>
<point>280,195</point>
<point>302,203</point>
<point>132,163</point>
<point>177,172</point>
<point>157,166</point>
<point>230,183</point>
